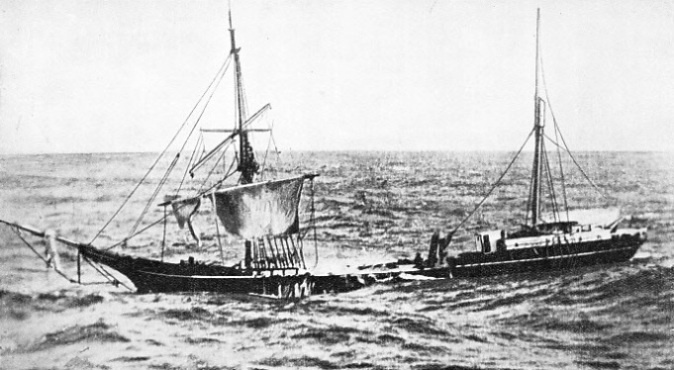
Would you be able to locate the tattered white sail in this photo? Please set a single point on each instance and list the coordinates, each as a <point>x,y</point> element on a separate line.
<point>260,209</point>
<point>183,209</point>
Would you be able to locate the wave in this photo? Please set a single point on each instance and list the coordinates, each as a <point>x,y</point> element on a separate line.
<point>98,331</point>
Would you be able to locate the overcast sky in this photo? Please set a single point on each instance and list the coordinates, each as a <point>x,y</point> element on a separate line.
<point>92,76</point>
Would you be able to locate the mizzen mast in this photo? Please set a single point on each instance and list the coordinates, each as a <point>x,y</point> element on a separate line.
<point>539,123</point>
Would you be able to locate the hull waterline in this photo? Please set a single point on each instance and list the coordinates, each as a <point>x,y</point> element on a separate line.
<point>537,259</point>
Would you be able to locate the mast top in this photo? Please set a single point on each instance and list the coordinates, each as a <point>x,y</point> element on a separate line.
<point>538,25</point>
<point>539,155</point>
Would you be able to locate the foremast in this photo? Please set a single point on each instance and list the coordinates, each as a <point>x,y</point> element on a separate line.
<point>248,166</point>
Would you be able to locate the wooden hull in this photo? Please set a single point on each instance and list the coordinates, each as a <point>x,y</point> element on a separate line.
<point>155,276</point>
<point>151,276</point>
<point>537,259</point>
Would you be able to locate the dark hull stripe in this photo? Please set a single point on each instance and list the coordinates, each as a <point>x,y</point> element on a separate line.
<point>155,276</point>
<point>539,259</point>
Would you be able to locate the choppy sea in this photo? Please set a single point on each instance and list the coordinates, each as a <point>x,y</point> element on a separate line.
<point>370,206</point>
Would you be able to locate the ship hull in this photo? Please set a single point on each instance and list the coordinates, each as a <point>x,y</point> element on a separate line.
<point>538,259</point>
<point>151,276</point>
<point>155,276</point>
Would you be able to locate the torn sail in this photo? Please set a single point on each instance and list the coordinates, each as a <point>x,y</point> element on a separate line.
<point>256,210</point>
<point>183,209</point>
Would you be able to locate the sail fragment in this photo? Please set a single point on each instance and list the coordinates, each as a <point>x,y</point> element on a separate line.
<point>183,209</point>
<point>261,209</point>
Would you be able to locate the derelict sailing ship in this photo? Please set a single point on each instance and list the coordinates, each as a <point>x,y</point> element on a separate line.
<point>546,241</point>
<point>263,213</point>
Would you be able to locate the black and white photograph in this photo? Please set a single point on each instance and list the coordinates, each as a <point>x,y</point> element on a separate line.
<point>336,184</point>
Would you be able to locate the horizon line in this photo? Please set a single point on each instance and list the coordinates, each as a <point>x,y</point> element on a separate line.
<point>362,151</point>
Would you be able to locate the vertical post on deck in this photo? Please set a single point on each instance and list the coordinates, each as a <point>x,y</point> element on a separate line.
<point>295,253</point>
<point>286,247</point>
<point>163,240</point>
<point>79,268</point>
<point>286,260</point>
<point>247,255</point>
<point>277,255</point>
<point>301,249</point>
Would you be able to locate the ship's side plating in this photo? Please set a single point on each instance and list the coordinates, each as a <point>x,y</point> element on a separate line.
<point>546,253</point>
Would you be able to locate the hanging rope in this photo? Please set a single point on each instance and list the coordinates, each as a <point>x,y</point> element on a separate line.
<point>161,155</point>
<point>493,186</point>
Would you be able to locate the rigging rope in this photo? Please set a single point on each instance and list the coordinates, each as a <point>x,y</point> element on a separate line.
<point>230,171</point>
<point>217,163</point>
<point>126,200</point>
<point>18,233</point>
<point>561,172</point>
<point>200,141</point>
<point>568,151</point>
<point>203,110</point>
<point>529,201</point>
<point>175,161</point>
<point>493,186</point>
<point>278,153</point>
<point>264,160</point>
<point>269,143</point>
<point>551,186</point>
<point>123,241</point>
<point>111,279</point>
<point>155,193</point>
<point>566,147</point>
<point>114,281</point>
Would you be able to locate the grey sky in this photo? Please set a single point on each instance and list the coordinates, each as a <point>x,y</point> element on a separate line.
<point>83,76</point>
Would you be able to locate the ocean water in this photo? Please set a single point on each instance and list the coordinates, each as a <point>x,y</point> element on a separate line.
<point>370,206</point>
